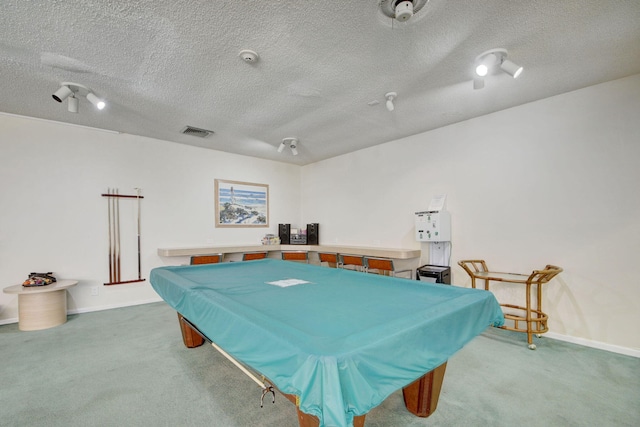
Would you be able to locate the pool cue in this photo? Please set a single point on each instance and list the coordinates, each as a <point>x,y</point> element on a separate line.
<point>138,230</point>
<point>117,207</point>
<point>110,233</point>
<point>265,388</point>
<point>113,231</point>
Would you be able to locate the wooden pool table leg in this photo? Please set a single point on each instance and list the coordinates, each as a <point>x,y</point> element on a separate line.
<point>190,338</point>
<point>421,396</point>
<point>307,420</point>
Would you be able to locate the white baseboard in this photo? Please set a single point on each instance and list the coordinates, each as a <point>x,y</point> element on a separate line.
<point>8,321</point>
<point>594,344</point>
<point>111,306</point>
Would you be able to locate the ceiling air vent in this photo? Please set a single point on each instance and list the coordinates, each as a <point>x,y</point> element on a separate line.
<point>200,133</point>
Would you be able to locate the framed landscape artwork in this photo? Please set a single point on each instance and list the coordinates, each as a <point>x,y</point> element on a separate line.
<point>241,204</point>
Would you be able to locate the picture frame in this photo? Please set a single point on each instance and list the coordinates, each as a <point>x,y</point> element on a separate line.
<point>241,204</point>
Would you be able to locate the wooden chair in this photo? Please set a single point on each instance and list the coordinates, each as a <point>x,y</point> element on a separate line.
<point>330,258</point>
<point>250,256</point>
<point>534,319</point>
<point>352,262</point>
<point>383,266</point>
<point>299,256</point>
<point>206,259</point>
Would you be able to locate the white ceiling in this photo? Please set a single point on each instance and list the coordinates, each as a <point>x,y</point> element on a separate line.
<point>165,64</point>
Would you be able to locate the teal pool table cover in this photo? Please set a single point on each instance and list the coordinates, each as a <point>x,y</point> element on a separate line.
<point>342,342</point>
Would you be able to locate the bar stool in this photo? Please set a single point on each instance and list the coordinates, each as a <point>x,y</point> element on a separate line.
<point>250,256</point>
<point>382,266</point>
<point>352,262</point>
<point>534,318</point>
<point>206,259</point>
<point>298,256</point>
<point>331,259</point>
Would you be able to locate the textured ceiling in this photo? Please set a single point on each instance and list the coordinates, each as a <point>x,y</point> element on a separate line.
<point>162,65</point>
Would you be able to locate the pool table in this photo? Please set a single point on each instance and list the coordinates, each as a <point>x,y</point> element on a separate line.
<point>335,342</point>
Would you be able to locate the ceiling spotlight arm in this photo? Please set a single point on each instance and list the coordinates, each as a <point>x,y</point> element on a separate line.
<point>390,97</point>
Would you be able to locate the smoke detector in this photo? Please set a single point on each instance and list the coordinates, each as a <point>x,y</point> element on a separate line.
<point>248,56</point>
<point>401,10</point>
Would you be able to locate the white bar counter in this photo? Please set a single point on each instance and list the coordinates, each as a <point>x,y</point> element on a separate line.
<point>351,250</point>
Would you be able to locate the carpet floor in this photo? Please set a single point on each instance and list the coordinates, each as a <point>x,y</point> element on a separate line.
<point>128,367</point>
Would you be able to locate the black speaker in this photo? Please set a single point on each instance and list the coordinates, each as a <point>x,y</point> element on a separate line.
<point>284,232</point>
<point>313,236</point>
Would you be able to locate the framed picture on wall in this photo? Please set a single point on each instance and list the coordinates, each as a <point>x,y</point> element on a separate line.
<point>241,204</point>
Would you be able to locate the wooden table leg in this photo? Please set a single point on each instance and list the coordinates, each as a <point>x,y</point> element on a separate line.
<point>190,338</point>
<point>45,310</point>
<point>307,420</point>
<point>421,396</point>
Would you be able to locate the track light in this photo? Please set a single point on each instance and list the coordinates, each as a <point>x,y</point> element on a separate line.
<point>293,144</point>
<point>73,91</point>
<point>62,93</point>
<point>72,106</point>
<point>99,104</point>
<point>491,60</point>
<point>511,68</point>
<point>404,10</point>
<point>487,62</point>
<point>478,82</point>
<point>390,97</point>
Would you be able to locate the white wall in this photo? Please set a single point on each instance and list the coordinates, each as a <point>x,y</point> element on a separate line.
<point>52,217</point>
<point>550,182</point>
<point>554,181</point>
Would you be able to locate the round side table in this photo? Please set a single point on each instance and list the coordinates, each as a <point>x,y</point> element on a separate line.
<point>41,307</point>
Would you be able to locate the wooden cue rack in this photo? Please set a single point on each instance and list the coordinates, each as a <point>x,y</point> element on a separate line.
<point>113,212</point>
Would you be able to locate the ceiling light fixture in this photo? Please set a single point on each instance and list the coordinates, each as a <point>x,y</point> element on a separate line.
<point>486,63</point>
<point>478,82</point>
<point>293,144</point>
<point>404,10</point>
<point>510,68</point>
<point>490,60</point>
<point>390,97</point>
<point>99,103</point>
<point>62,93</point>
<point>401,10</point>
<point>72,106</point>
<point>72,91</point>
